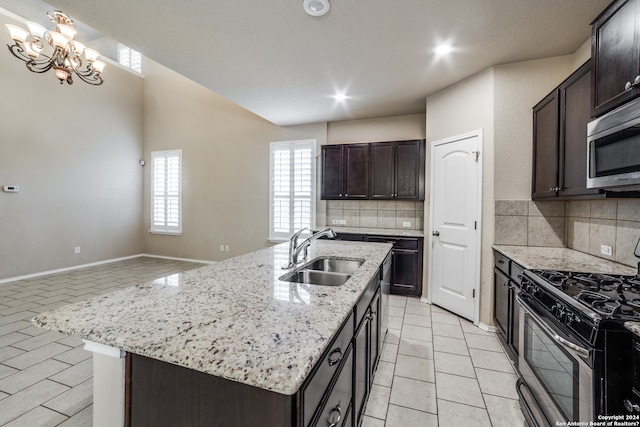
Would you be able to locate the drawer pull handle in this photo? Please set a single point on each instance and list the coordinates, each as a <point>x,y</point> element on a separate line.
<point>335,421</point>
<point>335,360</point>
<point>500,261</point>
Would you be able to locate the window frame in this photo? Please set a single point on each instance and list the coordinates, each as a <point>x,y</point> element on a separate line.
<point>166,229</point>
<point>291,145</point>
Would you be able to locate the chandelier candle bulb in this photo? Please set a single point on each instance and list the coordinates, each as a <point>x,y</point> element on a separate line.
<point>63,54</point>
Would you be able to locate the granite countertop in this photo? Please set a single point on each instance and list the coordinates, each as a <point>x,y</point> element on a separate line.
<point>233,319</point>
<point>405,232</point>
<point>562,259</point>
<point>633,327</point>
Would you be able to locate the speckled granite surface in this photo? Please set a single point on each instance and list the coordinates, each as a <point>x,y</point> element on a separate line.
<point>562,259</point>
<point>378,231</point>
<point>233,319</point>
<point>633,327</point>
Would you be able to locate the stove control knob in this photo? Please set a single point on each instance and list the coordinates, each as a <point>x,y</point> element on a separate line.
<point>569,318</point>
<point>630,406</point>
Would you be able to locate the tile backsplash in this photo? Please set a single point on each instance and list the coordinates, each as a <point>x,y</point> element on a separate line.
<point>583,225</point>
<point>376,214</point>
<point>527,223</point>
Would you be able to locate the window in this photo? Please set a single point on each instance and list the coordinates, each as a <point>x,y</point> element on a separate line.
<point>292,187</point>
<point>129,58</point>
<point>166,192</point>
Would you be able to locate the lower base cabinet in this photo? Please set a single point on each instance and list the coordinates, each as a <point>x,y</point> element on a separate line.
<point>160,394</point>
<point>507,278</point>
<point>406,262</point>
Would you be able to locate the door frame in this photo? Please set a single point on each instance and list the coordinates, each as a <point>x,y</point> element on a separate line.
<point>479,181</point>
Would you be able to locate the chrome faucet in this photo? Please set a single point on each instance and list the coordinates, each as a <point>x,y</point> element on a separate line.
<point>295,249</point>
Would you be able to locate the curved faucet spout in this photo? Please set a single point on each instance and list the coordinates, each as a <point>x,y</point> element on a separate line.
<point>295,249</point>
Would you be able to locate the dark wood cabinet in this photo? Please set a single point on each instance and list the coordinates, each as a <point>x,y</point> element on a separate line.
<point>345,172</point>
<point>507,278</point>
<point>397,170</point>
<point>615,49</point>
<point>367,345</point>
<point>501,301</point>
<point>406,263</point>
<point>545,147</point>
<point>560,140</point>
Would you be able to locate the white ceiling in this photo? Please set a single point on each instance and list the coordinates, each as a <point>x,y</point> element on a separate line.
<point>273,59</point>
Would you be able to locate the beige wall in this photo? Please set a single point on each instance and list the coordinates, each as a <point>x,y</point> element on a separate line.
<point>379,129</point>
<point>225,153</point>
<point>466,107</point>
<point>519,87</point>
<point>74,152</point>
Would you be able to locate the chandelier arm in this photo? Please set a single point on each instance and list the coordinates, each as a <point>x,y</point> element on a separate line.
<point>91,78</point>
<point>34,65</point>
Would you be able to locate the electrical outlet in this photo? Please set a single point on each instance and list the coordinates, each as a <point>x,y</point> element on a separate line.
<point>605,250</point>
<point>406,224</point>
<point>342,221</point>
<point>221,248</point>
<point>335,221</point>
<point>226,248</point>
<point>76,250</point>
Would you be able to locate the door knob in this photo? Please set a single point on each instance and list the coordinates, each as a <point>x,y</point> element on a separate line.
<point>435,233</point>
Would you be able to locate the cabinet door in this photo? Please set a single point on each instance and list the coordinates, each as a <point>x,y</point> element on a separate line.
<point>361,369</point>
<point>382,170</point>
<point>356,171</point>
<point>332,172</point>
<point>545,147</point>
<point>375,342</point>
<point>616,55</point>
<point>404,279</point>
<point>515,319</point>
<point>575,112</point>
<point>501,301</point>
<point>409,170</point>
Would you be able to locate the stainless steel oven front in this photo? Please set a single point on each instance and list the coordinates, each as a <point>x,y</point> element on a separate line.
<point>555,370</point>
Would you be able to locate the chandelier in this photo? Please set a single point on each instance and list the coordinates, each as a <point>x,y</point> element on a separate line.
<point>43,50</point>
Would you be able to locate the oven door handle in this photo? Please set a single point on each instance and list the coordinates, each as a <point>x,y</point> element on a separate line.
<point>582,352</point>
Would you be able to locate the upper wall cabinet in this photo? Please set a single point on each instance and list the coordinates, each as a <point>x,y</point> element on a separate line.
<point>615,49</point>
<point>379,170</point>
<point>560,140</point>
<point>397,170</point>
<point>345,172</point>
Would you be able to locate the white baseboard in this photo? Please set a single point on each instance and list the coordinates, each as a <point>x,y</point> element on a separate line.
<point>487,328</point>
<point>93,264</point>
<point>200,261</point>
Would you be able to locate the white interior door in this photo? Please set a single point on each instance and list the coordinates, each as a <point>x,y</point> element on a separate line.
<point>454,258</point>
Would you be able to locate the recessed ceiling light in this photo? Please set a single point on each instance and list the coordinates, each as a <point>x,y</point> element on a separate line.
<point>340,97</point>
<point>316,7</point>
<point>443,49</point>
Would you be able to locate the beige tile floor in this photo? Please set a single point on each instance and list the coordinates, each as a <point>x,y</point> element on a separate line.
<point>436,369</point>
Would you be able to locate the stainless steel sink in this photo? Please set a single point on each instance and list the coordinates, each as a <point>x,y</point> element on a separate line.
<point>335,265</point>
<point>315,277</point>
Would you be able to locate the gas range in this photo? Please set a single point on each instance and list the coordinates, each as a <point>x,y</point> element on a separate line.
<point>572,332</point>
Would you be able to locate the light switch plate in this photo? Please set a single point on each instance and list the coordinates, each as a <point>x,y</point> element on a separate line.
<point>406,224</point>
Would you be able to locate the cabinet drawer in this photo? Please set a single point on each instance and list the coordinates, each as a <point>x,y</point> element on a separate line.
<point>516,273</point>
<point>398,242</point>
<point>327,367</point>
<point>502,262</point>
<point>337,409</point>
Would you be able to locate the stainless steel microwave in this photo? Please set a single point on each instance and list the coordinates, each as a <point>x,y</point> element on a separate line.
<point>613,152</point>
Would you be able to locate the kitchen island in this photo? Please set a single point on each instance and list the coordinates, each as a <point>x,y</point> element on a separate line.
<point>230,339</point>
